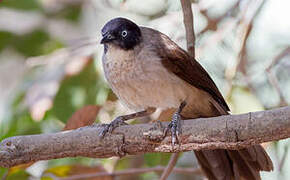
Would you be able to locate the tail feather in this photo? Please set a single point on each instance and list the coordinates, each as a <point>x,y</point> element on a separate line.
<point>215,164</point>
<point>244,167</point>
<point>205,164</point>
<point>257,157</point>
<point>234,164</point>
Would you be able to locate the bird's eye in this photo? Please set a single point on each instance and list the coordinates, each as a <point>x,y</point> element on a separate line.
<point>124,33</point>
<point>109,36</point>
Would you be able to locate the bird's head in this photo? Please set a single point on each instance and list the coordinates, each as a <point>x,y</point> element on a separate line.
<point>121,32</point>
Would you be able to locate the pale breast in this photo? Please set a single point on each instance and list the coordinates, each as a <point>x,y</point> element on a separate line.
<point>140,81</point>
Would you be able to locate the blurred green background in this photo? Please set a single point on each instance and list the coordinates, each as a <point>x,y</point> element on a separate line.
<point>50,66</point>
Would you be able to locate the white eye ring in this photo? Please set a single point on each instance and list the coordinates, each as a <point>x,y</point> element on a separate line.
<point>124,33</point>
<point>110,36</point>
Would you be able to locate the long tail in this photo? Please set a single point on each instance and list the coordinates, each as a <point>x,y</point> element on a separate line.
<point>221,164</point>
<point>231,164</point>
<point>224,164</point>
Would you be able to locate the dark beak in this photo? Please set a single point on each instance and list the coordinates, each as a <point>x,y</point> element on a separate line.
<point>107,38</point>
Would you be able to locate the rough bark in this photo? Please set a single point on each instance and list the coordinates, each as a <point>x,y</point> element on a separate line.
<point>228,132</point>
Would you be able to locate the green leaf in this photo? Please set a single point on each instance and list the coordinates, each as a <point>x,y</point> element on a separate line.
<point>20,121</point>
<point>31,44</point>
<point>46,178</point>
<point>50,46</point>
<point>60,171</point>
<point>3,171</point>
<point>155,159</point>
<point>149,175</point>
<point>23,5</point>
<point>18,174</point>
<point>71,13</point>
<point>5,39</point>
<point>77,91</point>
<point>20,124</point>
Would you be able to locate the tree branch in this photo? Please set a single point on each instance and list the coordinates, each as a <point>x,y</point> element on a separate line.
<point>170,166</point>
<point>189,29</point>
<point>223,132</point>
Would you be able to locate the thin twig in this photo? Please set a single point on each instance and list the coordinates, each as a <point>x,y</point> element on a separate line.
<point>189,29</point>
<point>129,172</point>
<point>247,23</point>
<point>272,78</point>
<point>248,15</point>
<point>281,164</point>
<point>213,22</point>
<point>275,84</point>
<point>216,37</point>
<point>277,58</point>
<point>170,166</point>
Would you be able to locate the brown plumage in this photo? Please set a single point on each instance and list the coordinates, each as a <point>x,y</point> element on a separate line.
<point>148,70</point>
<point>217,164</point>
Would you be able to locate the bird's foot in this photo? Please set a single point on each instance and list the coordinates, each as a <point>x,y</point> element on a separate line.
<point>175,128</point>
<point>108,128</point>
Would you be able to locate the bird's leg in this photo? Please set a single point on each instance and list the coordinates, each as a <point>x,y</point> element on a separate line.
<point>175,125</point>
<point>120,120</point>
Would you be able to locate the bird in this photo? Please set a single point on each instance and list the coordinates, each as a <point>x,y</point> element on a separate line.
<point>148,71</point>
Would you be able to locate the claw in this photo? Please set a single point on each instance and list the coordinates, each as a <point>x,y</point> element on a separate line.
<point>119,121</point>
<point>175,128</point>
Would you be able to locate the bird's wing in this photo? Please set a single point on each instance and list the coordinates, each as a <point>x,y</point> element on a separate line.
<point>181,64</point>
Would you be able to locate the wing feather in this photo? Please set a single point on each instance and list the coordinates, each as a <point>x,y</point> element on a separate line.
<point>177,61</point>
